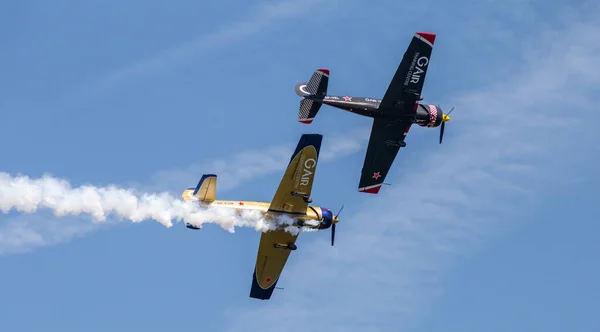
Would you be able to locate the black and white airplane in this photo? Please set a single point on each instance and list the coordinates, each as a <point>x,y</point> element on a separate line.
<point>392,116</point>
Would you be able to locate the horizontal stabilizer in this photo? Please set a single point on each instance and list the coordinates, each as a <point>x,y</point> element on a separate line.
<point>308,110</point>
<point>316,87</point>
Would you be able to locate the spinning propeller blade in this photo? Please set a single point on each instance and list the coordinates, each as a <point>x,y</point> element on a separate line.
<point>333,226</point>
<point>332,234</point>
<point>445,118</point>
<point>340,211</point>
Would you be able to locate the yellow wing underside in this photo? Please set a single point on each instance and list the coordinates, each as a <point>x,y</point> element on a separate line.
<point>271,260</point>
<point>289,198</point>
<point>296,184</point>
<point>292,197</point>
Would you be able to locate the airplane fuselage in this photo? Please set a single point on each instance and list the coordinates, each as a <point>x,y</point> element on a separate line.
<point>312,212</point>
<point>315,217</point>
<point>369,107</point>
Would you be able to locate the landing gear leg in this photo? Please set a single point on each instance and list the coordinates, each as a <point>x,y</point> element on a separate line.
<point>396,143</point>
<point>289,246</point>
<point>305,197</point>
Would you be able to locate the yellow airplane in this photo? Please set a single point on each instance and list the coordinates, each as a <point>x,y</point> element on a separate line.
<point>291,198</point>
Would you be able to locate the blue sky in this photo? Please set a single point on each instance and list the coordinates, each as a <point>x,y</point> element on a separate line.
<point>494,230</point>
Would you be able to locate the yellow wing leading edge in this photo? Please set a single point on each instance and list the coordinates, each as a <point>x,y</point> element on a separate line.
<point>292,197</point>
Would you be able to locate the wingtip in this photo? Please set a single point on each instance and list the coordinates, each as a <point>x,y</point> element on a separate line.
<point>428,36</point>
<point>370,189</point>
<point>258,292</point>
<point>325,71</point>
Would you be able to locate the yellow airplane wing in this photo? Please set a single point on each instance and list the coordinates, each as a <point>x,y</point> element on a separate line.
<point>271,258</point>
<point>292,197</point>
<point>293,194</point>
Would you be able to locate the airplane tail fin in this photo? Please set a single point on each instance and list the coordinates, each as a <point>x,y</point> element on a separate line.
<point>205,191</point>
<point>316,87</point>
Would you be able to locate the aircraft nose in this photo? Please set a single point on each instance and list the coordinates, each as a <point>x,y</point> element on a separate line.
<point>445,118</point>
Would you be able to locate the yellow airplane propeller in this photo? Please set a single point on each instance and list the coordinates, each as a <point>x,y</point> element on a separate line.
<point>445,118</point>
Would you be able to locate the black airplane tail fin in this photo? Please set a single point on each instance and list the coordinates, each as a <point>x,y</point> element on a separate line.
<point>316,87</point>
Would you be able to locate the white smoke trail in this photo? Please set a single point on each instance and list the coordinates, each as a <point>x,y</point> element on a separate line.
<point>27,195</point>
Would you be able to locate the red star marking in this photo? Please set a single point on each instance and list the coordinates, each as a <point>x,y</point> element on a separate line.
<point>376,175</point>
<point>347,98</point>
<point>268,279</point>
<point>241,203</point>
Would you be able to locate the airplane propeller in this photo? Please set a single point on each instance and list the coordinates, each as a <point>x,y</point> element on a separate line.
<point>333,226</point>
<point>445,118</point>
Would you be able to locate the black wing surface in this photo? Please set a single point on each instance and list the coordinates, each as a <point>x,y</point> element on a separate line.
<point>407,84</point>
<point>384,143</point>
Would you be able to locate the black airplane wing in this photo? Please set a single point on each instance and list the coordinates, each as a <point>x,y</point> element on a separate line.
<point>386,137</point>
<point>406,85</point>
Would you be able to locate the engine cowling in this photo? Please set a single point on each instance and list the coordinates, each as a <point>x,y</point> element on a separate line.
<point>429,116</point>
<point>327,219</point>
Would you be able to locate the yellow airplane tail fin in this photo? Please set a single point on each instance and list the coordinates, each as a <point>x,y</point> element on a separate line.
<point>205,191</point>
